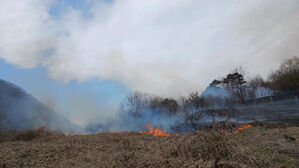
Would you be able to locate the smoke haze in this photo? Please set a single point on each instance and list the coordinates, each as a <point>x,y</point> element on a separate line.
<point>170,47</point>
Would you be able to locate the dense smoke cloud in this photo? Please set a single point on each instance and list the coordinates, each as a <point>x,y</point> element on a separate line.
<point>168,47</point>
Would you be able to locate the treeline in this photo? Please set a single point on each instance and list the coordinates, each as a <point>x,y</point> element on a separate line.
<point>283,81</point>
<point>286,79</point>
<point>138,104</point>
<point>230,90</point>
<point>190,112</point>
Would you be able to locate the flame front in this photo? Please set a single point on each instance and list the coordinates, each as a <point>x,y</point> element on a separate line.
<point>154,131</point>
<point>75,134</point>
<point>241,127</point>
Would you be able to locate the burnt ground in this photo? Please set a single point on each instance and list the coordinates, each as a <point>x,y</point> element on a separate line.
<point>258,146</point>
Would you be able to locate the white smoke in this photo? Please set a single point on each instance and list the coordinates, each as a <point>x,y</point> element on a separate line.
<point>168,47</point>
<point>24,31</point>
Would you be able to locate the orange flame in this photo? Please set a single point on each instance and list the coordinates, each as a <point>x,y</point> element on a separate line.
<point>242,127</point>
<point>154,131</point>
<point>116,132</point>
<point>74,134</point>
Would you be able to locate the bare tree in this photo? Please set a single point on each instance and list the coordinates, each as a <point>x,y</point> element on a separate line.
<point>192,109</point>
<point>286,78</point>
<point>136,102</point>
<point>254,84</point>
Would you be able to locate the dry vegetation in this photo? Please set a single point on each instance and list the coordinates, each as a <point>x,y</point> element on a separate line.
<point>258,146</point>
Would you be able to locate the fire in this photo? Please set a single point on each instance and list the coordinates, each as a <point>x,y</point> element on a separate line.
<point>116,132</point>
<point>75,134</point>
<point>241,127</point>
<point>154,131</point>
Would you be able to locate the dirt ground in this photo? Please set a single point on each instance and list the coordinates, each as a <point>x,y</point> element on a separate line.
<point>258,146</point>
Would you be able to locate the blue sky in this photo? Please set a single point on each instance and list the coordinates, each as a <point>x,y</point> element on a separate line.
<point>98,95</point>
<point>36,80</point>
<point>60,6</point>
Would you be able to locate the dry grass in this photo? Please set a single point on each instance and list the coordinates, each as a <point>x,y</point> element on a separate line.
<point>272,145</point>
<point>259,146</point>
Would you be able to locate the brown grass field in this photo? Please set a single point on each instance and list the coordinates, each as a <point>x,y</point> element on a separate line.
<point>258,146</point>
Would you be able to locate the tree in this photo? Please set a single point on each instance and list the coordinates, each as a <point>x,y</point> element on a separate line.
<point>192,108</point>
<point>254,84</point>
<point>170,105</point>
<point>136,103</point>
<point>286,78</point>
<point>236,84</point>
<point>193,103</point>
<point>215,83</point>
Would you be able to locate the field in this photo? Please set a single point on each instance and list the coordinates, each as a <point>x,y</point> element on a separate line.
<point>262,145</point>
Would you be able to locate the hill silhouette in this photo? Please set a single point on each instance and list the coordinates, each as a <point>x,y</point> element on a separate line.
<point>19,110</point>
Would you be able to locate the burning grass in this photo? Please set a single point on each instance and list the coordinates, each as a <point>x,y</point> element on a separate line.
<point>242,127</point>
<point>154,131</point>
<point>257,146</point>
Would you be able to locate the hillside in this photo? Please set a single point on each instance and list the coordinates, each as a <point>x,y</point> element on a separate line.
<point>20,111</point>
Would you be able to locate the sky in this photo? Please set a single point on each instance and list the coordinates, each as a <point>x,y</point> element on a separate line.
<point>82,57</point>
<point>81,102</point>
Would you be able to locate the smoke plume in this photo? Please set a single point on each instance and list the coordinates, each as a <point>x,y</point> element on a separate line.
<point>170,47</point>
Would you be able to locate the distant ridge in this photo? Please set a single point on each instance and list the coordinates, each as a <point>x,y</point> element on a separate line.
<point>19,110</point>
